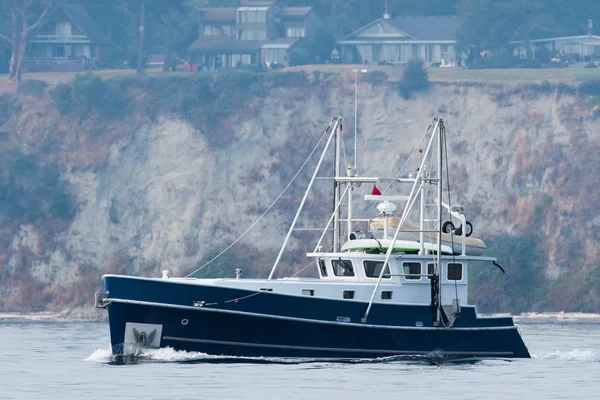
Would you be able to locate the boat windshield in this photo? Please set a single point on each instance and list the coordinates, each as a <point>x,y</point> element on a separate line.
<point>342,267</point>
<point>373,269</point>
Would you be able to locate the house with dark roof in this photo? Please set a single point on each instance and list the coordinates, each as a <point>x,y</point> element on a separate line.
<point>572,49</point>
<point>255,33</point>
<point>398,40</point>
<point>69,40</point>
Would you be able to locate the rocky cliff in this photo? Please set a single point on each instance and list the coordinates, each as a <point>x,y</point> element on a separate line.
<point>165,187</point>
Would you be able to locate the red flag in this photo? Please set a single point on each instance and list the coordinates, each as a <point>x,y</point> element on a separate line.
<point>375,191</point>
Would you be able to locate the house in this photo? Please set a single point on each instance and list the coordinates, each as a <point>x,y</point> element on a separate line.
<point>572,48</point>
<point>156,61</point>
<point>69,40</point>
<point>398,40</point>
<point>255,33</point>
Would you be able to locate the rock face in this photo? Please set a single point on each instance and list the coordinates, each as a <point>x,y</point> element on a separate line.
<point>163,196</point>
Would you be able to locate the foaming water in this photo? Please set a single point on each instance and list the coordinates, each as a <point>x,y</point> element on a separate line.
<point>168,354</point>
<point>573,355</point>
<point>101,356</point>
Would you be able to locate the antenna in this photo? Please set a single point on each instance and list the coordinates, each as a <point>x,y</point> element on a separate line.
<point>386,15</point>
<point>356,71</point>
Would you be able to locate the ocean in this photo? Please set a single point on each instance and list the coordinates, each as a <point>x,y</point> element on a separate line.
<point>73,361</point>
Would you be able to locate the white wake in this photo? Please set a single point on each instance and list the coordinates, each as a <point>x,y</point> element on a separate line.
<point>164,354</point>
<point>573,355</point>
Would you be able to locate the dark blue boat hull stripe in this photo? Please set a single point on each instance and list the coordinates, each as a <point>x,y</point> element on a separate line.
<point>333,349</point>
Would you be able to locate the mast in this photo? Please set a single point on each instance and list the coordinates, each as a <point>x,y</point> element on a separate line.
<point>440,268</point>
<point>336,187</point>
<point>349,190</point>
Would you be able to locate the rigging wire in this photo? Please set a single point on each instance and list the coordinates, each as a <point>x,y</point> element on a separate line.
<point>444,141</point>
<point>235,300</point>
<point>268,208</point>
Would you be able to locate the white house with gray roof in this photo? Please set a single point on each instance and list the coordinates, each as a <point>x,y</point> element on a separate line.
<point>398,40</point>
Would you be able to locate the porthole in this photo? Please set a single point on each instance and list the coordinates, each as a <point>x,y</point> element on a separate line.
<point>184,322</point>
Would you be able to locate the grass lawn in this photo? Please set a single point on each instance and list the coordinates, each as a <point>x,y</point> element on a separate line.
<point>66,77</point>
<point>498,76</point>
<point>492,76</point>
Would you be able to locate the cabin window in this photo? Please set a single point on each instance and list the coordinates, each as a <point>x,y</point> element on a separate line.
<point>266,290</point>
<point>348,294</point>
<point>308,292</point>
<point>322,267</point>
<point>386,295</point>
<point>412,270</point>
<point>454,272</point>
<point>373,269</point>
<point>342,267</point>
<point>430,270</point>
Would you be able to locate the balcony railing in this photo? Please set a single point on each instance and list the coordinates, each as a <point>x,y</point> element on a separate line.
<point>55,38</point>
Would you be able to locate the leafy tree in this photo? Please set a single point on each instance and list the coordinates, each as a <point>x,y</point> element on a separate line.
<point>299,56</point>
<point>18,19</point>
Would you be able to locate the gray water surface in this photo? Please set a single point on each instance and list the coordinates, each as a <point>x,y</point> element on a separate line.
<point>73,361</point>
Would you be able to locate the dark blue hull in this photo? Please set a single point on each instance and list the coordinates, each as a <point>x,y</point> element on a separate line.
<point>272,325</point>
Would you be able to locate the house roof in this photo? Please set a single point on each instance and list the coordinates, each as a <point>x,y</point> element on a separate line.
<point>156,58</point>
<point>576,39</point>
<point>225,44</point>
<point>217,14</point>
<point>408,29</point>
<point>295,11</point>
<point>281,43</point>
<point>228,44</point>
<point>428,28</point>
<point>257,3</point>
<point>80,17</point>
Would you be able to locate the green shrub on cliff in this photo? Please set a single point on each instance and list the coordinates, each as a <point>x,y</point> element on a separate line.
<point>414,79</point>
<point>89,94</point>
<point>519,288</point>
<point>62,97</point>
<point>30,190</point>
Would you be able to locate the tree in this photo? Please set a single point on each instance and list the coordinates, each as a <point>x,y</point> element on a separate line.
<point>414,78</point>
<point>20,19</point>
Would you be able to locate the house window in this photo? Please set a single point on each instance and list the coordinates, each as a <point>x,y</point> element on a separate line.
<point>373,269</point>
<point>445,55</point>
<point>241,16</point>
<point>412,270</point>
<point>342,267</point>
<point>322,267</point>
<point>216,30</point>
<point>454,272</point>
<point>430,270</point>
<point>254,34</point>
<point>63,29</point>
<point>386,295</point>
<point>261,17</point>
<point>59,51</point>
<point>295,32</point>
<point>348,294</point>
<point>415,51</point>
<point>308,292</point>
<point>275,55</point>
<point>261,34</point>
